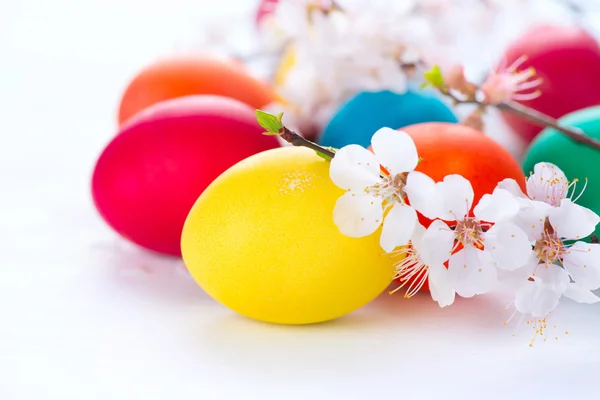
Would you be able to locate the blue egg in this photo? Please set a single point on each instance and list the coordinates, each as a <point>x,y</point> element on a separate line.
<point>358,119</point>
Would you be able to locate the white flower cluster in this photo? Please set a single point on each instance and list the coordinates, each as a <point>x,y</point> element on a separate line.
<point>338,54</point>
<point>359,46</point>
<point>529,241</point>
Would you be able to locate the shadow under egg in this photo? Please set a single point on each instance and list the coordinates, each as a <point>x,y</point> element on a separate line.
<point>148,275</point>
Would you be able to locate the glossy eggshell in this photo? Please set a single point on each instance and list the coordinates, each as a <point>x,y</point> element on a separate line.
<point>568,60</point>
<point>457,149</point>
<point>149,176</point>
<point>261,240</point>
<point>364,114</point>
<point>578,161</point>
<point>180,76</point>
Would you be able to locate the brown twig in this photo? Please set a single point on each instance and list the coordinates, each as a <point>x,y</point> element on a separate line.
<point>539,118</point>
<point>531,115</point>
<point>296,140</point>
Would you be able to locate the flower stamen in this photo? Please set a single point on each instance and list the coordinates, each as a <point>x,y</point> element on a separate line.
<point>469,232</point>
<point>539,325</point>
<point>508,84</point>
<point>549,248</point>
<point>411,269</point>
<point>574,184</point>
<point>390,189</point>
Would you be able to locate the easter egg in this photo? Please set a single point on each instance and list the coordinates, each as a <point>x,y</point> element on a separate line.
<point>192,75</point>
<point>261,240</point>
<point>568,60</point>
<point>149,176</point>
<point>457,149</point>
<point>364,114</point>
<point>578,161</point>
<point>265,7</point>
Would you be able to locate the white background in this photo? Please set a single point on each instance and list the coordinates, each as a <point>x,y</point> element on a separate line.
<point>80,321</point>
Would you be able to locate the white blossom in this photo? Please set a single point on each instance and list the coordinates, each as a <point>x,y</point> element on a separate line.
<point>547,183</point>
<point>553,221</point>
<point>546,187</point>
<point>564,224</point>
<point>538,292</point>
<point>562,265</point>
<point>375,197</point>
<point>340,54</point>
<point>474,246</point>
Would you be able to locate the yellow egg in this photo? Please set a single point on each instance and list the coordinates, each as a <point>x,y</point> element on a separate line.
<point>261,241</point>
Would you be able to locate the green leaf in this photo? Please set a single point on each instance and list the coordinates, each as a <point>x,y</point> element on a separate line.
<point>271,123</point>
<point>433,78</point>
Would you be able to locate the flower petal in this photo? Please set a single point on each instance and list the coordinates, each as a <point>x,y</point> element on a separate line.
<point>421,191</point>
<point>580,294</point>
<point>573,221</point>
<point>511,186</point>
<point>501,205</point>
<point>508,245</point>
<point>354,168</point>
<point>545,302</point>
<point>552,276</point>
<point>395,150</point>
<point>515,279</point>
<point>440,286</point>
<point>525,297</point>
<point>531,217</point>
<point>456,193</point>
<point>398,227</point>
<point>417,235</point>
<point>357,215</point>
<point>548,183</point>
<point>436,244</point>
<point>582,262</point>
<point>472,272</point>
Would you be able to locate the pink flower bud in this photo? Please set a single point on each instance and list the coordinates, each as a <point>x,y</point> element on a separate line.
<point>509,84</point>
<point>455,79</point>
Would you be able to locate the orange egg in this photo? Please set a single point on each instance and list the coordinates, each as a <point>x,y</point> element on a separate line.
<point>457,149</point>
<point>192,75</point>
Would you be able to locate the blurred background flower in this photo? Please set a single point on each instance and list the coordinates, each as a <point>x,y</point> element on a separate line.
<point>320,54</point>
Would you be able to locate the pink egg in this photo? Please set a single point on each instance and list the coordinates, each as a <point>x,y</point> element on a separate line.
<point>568,61</point>
<point>149,176</point>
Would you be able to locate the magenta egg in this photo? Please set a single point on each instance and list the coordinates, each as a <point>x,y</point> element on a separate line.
<point>149,176</point>
<point>568,61</point>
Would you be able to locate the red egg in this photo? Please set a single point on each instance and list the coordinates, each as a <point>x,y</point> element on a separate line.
<point>265,8</point>
<point>149,176</point>
<point>568,61</point>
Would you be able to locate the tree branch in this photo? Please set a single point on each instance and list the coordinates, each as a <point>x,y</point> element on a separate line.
<point>531,115</point>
